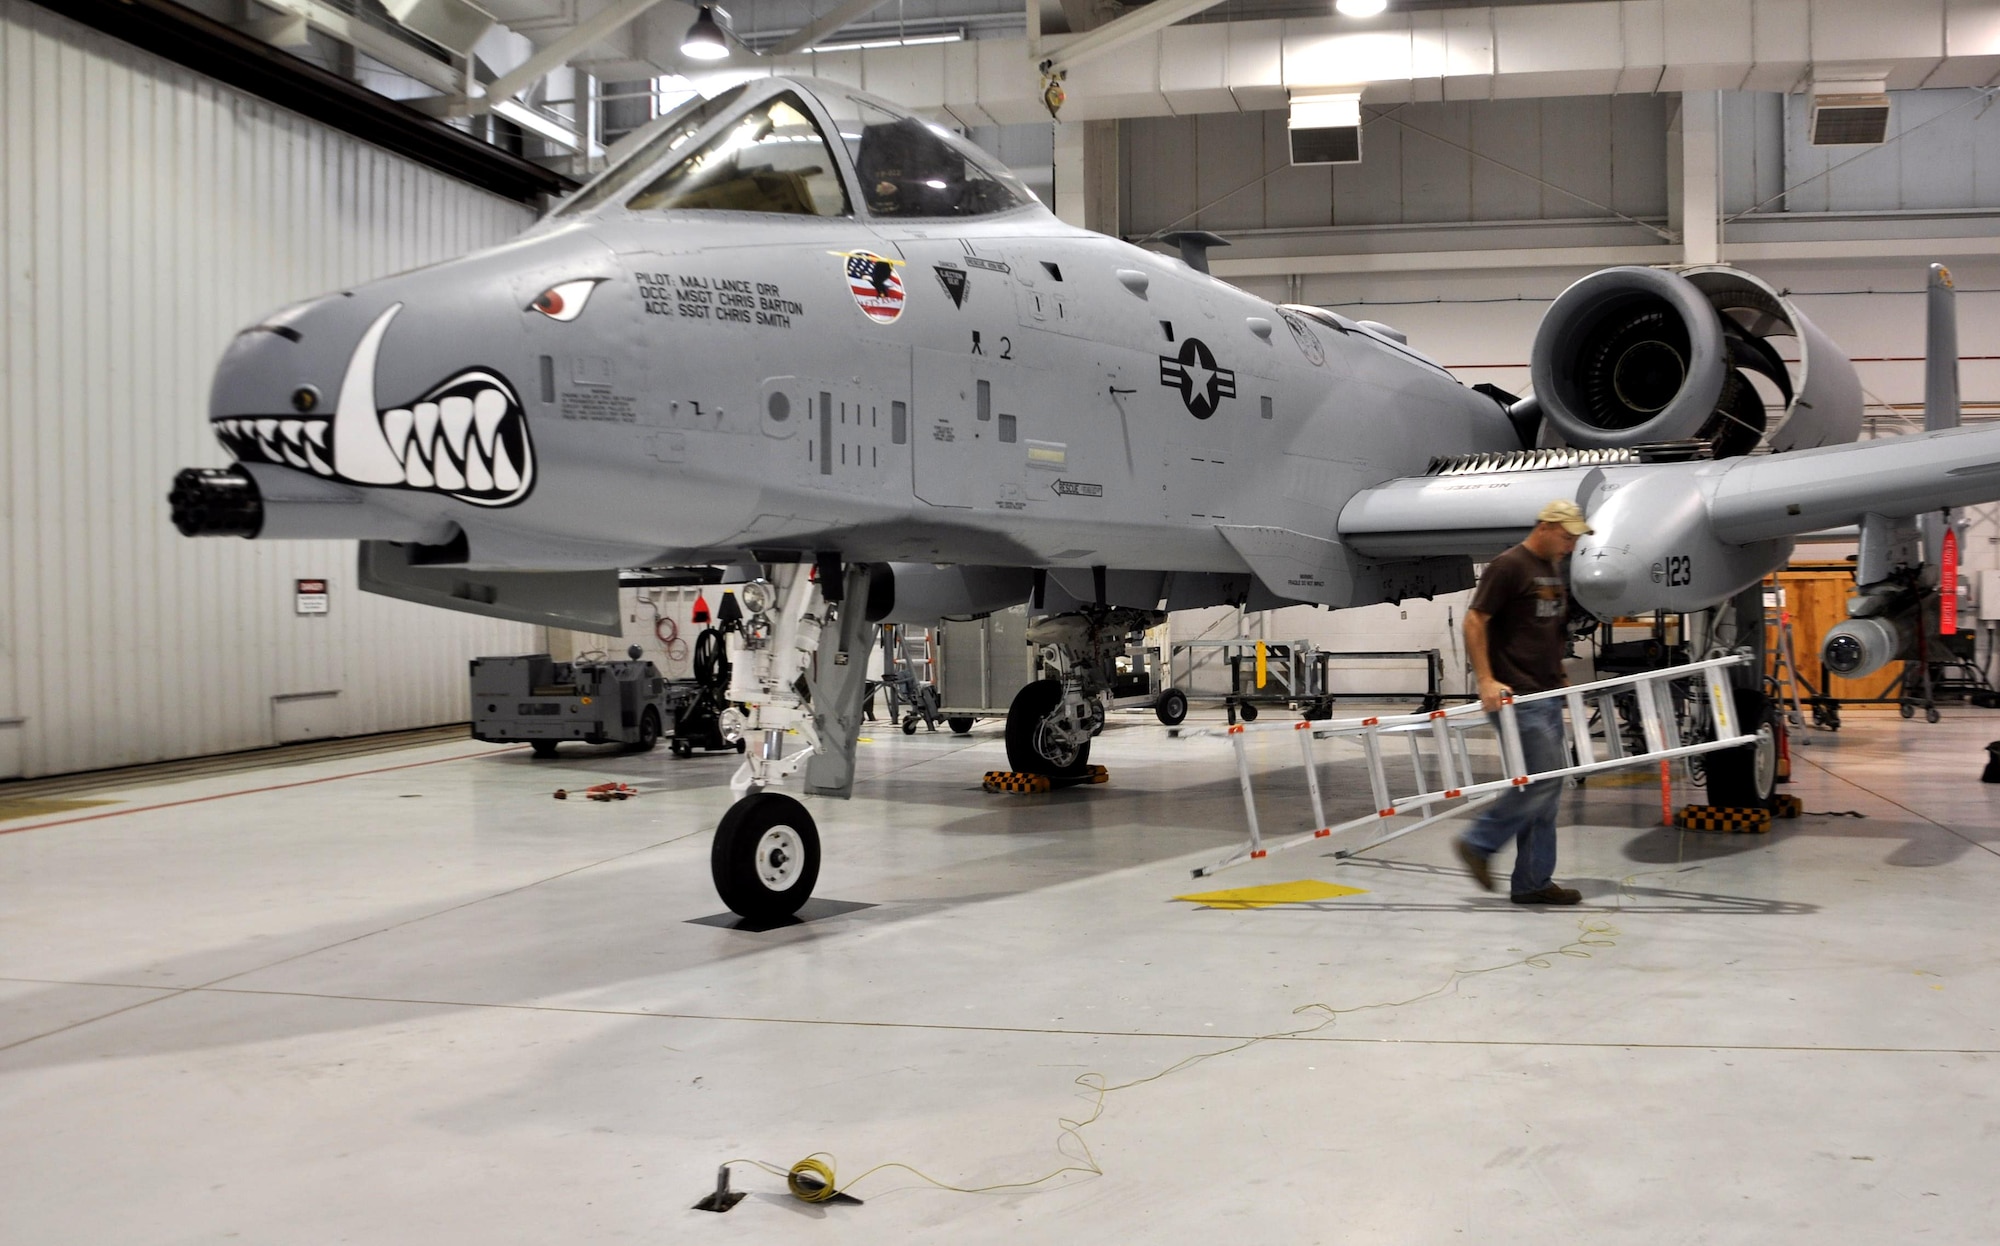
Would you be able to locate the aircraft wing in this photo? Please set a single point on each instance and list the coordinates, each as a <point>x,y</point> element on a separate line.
<point>1806,490</point>
<point>1476,514</point>
<point>1746,500</point>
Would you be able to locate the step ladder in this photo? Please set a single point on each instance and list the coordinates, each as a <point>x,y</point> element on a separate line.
<point>1442,757</point>
<point>1785,673</point>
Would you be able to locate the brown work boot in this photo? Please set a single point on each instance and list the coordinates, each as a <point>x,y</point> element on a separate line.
<point>1551,894</point>
<point>1475,864</point>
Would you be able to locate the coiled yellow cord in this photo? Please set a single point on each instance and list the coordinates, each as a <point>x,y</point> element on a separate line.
<point>811,1193</point>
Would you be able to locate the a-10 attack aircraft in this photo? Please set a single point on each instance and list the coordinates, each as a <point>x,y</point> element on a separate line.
<point>800,328</point>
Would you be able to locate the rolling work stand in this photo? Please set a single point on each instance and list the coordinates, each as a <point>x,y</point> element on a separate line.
<point>1441,759</point>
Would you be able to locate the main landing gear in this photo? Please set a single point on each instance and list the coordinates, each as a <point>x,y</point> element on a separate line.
<point>1051,722</point>
<point>797,662</point>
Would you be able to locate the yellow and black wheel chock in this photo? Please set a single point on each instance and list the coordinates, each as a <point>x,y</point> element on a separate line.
<point>1752,821</point>
<point>1019,781</point>
<point>1786,805</point>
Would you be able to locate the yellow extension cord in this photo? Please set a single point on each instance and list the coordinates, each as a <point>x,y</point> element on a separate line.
<point>819,1166</point>
<point>1592,933</point>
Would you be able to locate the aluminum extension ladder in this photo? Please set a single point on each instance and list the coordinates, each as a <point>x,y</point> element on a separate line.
<point>1444,773</point>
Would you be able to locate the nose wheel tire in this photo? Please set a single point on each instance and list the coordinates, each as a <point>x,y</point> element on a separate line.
<point>1032,746</point>
<point>765,857</point>
<point>1171,708</point>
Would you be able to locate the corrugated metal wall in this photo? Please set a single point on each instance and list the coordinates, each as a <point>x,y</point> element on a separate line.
<point>149,213</point>
<point>1416,167</point>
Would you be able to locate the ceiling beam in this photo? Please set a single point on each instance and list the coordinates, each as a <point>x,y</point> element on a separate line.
<point>1119,31</point>
<point>558,52</point>
<point>809,36</point>
<point>185,37</point>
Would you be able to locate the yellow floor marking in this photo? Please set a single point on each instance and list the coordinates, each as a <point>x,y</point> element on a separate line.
<point>1300,892</point>
<point>11,809</point>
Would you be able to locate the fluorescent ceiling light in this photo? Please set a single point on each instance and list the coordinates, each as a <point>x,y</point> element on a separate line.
<point>704,41</point>
<point>956,36</point>
<point>1359,8</point>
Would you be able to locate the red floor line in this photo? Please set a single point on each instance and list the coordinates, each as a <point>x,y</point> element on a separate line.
<point>250,791</point>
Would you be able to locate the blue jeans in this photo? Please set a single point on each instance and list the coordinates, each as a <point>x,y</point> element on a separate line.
<point>1527,815</point>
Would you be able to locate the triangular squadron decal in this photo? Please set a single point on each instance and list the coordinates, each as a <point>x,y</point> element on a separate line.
<point>954,282</point>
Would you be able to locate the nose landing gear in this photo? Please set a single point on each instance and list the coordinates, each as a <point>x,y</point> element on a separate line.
<point>765,857</point>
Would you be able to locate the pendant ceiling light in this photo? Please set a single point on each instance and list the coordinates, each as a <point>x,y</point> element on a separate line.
<point>705,41</point>
<point>1360,8</point>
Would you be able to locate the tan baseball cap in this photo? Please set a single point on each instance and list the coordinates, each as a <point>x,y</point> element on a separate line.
<point>1569,515</point>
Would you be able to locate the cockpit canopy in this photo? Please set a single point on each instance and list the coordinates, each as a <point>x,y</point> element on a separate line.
<point>767,146</point>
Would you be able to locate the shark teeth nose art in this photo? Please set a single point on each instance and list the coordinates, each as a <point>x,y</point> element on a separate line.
<point>466,437</point>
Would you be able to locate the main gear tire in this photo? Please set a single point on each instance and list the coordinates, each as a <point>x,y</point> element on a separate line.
<point>1028,728</point>
<point>1746,777</point>
<point>765,856</point>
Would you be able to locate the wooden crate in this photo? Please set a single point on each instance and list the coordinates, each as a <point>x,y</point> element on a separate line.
<point>1816,597</point>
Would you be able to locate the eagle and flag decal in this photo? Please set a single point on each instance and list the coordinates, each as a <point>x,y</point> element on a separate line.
<point>876,286</point>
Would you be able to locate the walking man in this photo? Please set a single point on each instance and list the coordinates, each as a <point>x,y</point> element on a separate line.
<point>1515,633</point>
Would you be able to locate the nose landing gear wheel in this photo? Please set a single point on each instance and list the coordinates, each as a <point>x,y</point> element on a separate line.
<point>765,858</point>
<point>1171,708</point>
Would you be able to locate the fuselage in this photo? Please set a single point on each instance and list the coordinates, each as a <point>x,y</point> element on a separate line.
<point>997,388</point>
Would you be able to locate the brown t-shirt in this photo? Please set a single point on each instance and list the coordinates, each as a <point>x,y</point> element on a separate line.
<point>1527,604</point>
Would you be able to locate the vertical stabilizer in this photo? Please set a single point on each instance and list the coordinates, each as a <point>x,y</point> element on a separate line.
<point>1940,352</point>
<point>1940,384</point>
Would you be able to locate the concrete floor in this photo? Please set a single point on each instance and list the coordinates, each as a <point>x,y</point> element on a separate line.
<point>409,998</point>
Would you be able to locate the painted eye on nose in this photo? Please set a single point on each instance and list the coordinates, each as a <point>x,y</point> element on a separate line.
<point>565,302</point>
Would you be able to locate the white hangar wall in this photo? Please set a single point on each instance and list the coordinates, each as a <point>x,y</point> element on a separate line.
<point>150,213</point>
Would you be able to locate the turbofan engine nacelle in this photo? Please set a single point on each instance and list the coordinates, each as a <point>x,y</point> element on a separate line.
<point>1632,356</point>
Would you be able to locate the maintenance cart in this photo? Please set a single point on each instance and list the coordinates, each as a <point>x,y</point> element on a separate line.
<point>536,700</point>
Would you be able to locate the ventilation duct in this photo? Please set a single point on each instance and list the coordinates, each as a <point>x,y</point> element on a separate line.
<point>1326,129</point>
<point>454,25</point>
<point>1849,114</point>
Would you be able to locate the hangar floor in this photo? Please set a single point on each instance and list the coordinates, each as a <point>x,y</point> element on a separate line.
<point>407,997</point>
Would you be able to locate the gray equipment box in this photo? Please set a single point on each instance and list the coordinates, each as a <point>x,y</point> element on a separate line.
<point>982,663</point>
<point>538,701</point>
